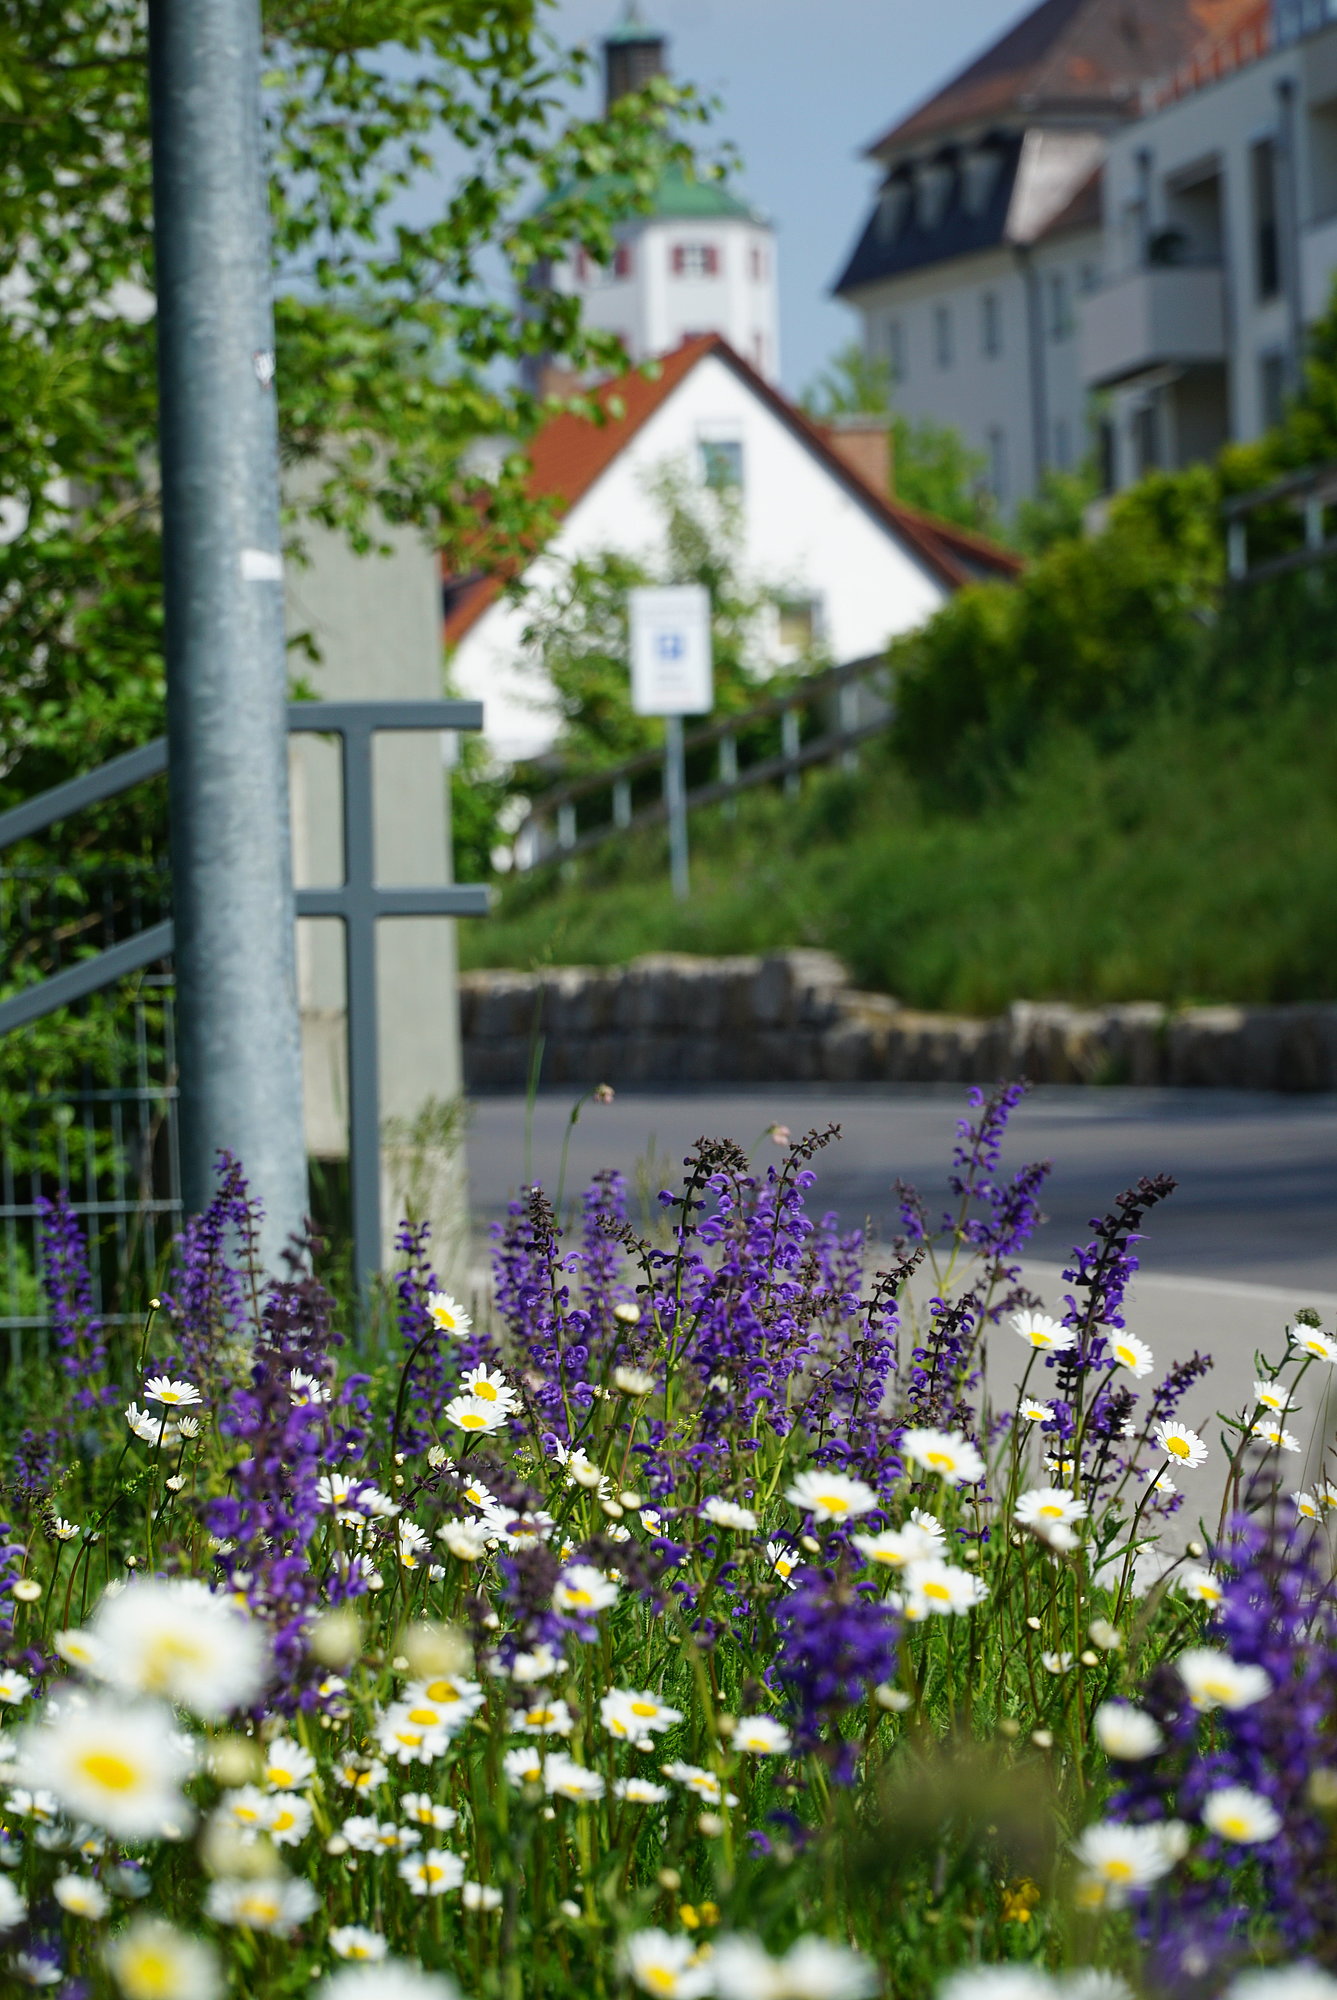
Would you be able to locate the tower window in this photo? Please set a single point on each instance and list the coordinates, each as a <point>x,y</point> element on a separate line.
<point>722,463</point>
<point>756,259</point>
<point>991,325</point>
<point>696,260</point>
<point>622,261</point>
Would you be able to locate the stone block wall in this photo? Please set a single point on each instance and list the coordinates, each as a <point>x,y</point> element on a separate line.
<point>792,1016</point>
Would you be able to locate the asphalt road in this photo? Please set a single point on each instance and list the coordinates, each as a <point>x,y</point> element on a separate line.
<point>1256,1201</point>
<point>1249,1234</point>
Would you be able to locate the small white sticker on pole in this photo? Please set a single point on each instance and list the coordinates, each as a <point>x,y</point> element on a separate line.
<point>261,566</point>
<point>671,667</point>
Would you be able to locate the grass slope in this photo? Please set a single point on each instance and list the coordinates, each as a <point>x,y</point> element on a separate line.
<point>1197,862</point>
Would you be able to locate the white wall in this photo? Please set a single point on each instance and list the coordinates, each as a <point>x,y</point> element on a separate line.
<point>988,397</point>
<point>654,309</point>
<point>802,530</point>
<point>1218,126</point>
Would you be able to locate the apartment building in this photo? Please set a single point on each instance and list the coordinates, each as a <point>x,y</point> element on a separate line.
<point>1219,241</point>
<point>986,232</point>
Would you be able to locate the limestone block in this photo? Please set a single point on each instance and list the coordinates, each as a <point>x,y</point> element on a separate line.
<point>1205,1047</point>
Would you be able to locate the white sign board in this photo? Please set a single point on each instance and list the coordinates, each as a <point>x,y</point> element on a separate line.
<point>670,650</point>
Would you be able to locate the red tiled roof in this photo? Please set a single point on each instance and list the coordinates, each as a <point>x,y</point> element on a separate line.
<point>570,453</point>
<point>1065,55</point>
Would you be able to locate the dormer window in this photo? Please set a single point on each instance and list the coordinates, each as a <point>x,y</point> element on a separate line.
<point>893,205</point>
<point>933,190</point>
<point>979,175</point>
<point>696,260</point>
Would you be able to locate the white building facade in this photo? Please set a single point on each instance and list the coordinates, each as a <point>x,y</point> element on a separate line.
<point>986,232</point>
<point>1220,243</point>
<point>848,568</point>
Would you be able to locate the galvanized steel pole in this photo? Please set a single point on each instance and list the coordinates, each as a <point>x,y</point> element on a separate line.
<point>232,888</point>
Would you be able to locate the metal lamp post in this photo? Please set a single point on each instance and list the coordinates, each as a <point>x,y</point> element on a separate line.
<point>232,893</point>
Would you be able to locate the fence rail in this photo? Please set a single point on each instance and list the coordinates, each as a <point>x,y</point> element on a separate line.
<point>1309,493</point>
<point>552,831</point>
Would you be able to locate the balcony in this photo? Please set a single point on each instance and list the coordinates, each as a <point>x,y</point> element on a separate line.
<point>1164,316</point>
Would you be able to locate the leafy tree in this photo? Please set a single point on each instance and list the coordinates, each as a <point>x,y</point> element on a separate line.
<point>396,341</point>
<point>578,639</point>
<point>933,468</point>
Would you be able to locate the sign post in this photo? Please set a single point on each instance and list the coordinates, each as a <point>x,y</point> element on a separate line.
<point>671,675</point>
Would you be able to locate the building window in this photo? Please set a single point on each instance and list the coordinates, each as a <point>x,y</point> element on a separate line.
<point>1088,279</point>
<point>1147,439</point>
<point>1062,444</point>
<point>799,623</point>
<point>1271,388</point>
<point>696,260</point>
<point>1106,455</point>
<point>1060,319</point>
<point>756,263</point>
<point>759,352</point>
<point>991,325</point>
<point>622,261</point>
<point>942,336</point>
<point>995,445</point>
<point>722,464</point>
<point>1267,256</point>
<point>895,349</point>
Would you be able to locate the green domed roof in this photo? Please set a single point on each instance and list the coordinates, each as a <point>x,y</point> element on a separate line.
<point>680,196</point>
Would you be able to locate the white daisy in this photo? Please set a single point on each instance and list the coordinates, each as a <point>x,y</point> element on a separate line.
<point>466,1540</point>
<point>174,1638</point>
<point>640,1791</point>
<point>1312,1341</point>
<point>355,1941</point>
<point>1056,1663</point>
<point>1273,1434</point>
<point>584,1589</point>
<point>288,1818</point>
<point>1274,1396</point>
<point>812,1969</point>
<point>448,1316</point>
<point>386,1980</point>
<point>761,1736</point>
<point>1236,1813</point>
<point>489,1385</point>
<point>1125,1857</point>
<point>479,1896</point>
<point>632,1714</point>
<point>727,1514</point>
<point>1037,1329</point>
<point>523,1766</point>
<point>783,1562</point>
<point>152,1960</point>
<point>1201,1586</point>
<point>1180,1443</point>
<point>413,1543</point>
<point>475,1415</point>
<point>163,1389</point>
<point>948,1453</point>
<point>1131,1353</point>
<point>304,1389</point>
<point>81,1895</point>
<point>1306,1506</point>
<point>115,1762</point>
<point>1127,1732</point>
<point>274,1903</point>
<point>434,1873</point>
<point>565,1779</point>
<point>935,1587</point>
<point>543,1718</point>
<point>289,1767</point>
<point>894,1548</point>
<point>1214,1680</point>
<point>1035,1412</point>
<point>666,1967</point>
<point>14,1686</point>
<point>424,1811</point>
<point>830,1496</point>
<point>633,1381</point>
<point>1045,1507</point>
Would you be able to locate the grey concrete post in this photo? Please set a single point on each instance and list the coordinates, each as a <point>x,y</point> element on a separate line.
<point>231,865</point>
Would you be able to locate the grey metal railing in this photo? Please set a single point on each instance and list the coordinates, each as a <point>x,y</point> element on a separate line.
<point>1309,493</point>
<point>851,708</point>
<point>359,902</point>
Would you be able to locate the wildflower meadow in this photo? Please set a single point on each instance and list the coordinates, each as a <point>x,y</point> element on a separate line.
<point>731,1608</point>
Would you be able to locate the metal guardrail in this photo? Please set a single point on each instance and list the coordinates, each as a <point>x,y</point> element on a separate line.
<point>359,902</point>
<point>551,829</point>
<point>1310,492</point>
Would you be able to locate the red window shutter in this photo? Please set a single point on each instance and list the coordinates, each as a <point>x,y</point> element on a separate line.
<point>712,261</point>
<point>679,260</point>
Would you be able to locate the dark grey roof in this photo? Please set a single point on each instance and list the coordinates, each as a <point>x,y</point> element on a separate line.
<point>894,239</point>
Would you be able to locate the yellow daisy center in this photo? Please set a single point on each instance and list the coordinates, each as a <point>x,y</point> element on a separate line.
<point>645,1708</point>
<point>427,1717</point>
<point>938,1591</point>
<point>1179,1446</point>
<point>942,1460</point>
<point>473,1420</point>
<point>486,1390</point>
<point>442,1691</point>
<point>1051,1512</point>
<point>1119,1871</point>
<point>833,1503</point>
<point>444,1318</point>
<point>659,1979</point>
<point>1235,1826</point>
<point>105,1768</point>
<point>578,1596</point>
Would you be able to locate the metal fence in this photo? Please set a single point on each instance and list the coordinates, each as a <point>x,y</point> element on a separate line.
<point>106,1132</point>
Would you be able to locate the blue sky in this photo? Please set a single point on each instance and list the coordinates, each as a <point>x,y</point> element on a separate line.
<point>806,84</point>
